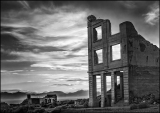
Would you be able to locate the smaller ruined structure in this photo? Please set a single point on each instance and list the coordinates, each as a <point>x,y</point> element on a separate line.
<point>48,99</point>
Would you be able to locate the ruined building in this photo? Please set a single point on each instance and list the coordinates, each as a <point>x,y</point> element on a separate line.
<point>49,98</point>
<point>126,55</point>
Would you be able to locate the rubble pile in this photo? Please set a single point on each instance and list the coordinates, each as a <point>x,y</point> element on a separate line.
<point>150,99</point>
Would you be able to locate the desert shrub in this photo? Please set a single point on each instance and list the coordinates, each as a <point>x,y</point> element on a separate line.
<point>31,107</point>
<point>70,106</point>
<point>151,101</point>
<point>143,105</point>
<point>157,100</point>
<point>133,106</point>
<point>7,110</point>
<point>45,105</point>
<point>30,111</point>
<point>3,110</point>
<point>85,104</point>
<point>39,111</point>
<point>21,109</point>
<point>51,106</point>
<point>56,111</point>
<point>70,102</point>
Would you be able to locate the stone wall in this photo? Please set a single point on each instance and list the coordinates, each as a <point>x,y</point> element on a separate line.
<point>139,60</point>
<point>143,58</point>
<point>141,52</point>
<point>144,80</point>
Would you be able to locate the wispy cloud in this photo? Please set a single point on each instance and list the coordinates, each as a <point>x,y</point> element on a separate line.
<point>62,28</point>
<point>152,17</point>
<point>49,29</point>
<point>13,90</point>
<point>14,71</point>
<point>128,4</point>
<point>24,4</point>
<point>62,85</point>
<point>3,71</point>
<point>53,60</point>
<point>77,79</point>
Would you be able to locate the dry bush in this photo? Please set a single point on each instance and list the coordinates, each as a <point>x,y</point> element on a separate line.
<point>143,105</point>
<point>133,106</point>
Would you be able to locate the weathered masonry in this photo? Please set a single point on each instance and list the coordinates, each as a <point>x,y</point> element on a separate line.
<point>126,55</point>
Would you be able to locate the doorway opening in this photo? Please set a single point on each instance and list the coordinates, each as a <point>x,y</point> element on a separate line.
<point>108,91</point>
<point>98,96</point>
<point>119,93</point>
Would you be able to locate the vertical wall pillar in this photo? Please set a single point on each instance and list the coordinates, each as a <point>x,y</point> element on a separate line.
<point>115,86</point>
<point>92,78</point>
<point>126,85</point>
<point>112,88</point>
<point>106,33</point>
<point>92,90</point>
<point>103,89</point>
<point>121,86</point>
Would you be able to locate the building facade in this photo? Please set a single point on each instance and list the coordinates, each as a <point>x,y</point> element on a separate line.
<point>48,99</point>
<point>126,55</point>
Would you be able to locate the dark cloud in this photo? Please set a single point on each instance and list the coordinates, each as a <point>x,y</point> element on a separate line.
<point>80,47</point>
<point>134,7</point>
<point>6,28</point>
<point>75,64</point>
<point>8,56</point>
<point>10,43</point>
<point>24,30</point>
<point>46,49</point>
<point>15,65</point>
<point>35,4</point>
<point>10,5</point>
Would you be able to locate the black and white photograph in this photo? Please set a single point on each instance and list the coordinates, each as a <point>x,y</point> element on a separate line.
<point>80,56</point>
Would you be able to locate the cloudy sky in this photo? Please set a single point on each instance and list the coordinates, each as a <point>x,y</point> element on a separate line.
<point>44,43</point>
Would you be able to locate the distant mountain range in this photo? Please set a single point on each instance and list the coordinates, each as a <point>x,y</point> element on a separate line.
<point>20,95</point>
<point>17,96</point>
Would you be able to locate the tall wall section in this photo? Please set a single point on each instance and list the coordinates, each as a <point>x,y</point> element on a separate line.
<point>143,58</point>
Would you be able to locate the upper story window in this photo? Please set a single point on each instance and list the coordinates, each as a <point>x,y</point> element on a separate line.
<point>98,57</point>
<point>97,33</point>
<point>116,52</point>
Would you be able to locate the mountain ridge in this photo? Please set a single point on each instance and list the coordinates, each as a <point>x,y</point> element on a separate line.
<point>19,94</point>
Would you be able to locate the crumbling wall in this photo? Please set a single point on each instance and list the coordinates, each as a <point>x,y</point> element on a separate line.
<point>143,58</point>
<point>141,52</point>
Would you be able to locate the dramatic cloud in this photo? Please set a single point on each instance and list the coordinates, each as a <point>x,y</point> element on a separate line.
<point>50,30</point>
<point>44,43</point>
<point>152,17</point>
